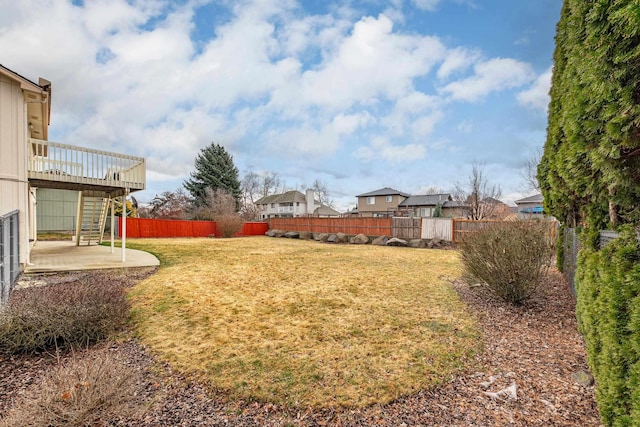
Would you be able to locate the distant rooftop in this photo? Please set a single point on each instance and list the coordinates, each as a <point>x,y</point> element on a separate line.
<point>383,192</point>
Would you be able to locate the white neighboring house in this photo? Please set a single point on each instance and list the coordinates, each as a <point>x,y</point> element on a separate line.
<point>293,204</point>
<point>29,161</point>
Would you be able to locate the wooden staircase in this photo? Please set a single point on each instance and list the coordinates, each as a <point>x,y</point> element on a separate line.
<point>92,217</point>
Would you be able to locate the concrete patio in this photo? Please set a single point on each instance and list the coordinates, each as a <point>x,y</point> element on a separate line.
<point>56,256</point>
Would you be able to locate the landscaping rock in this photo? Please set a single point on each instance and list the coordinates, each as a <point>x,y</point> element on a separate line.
<point>271,233</point>
<point>292,235</point>
<point>417,243</point>
<point>396,242</point>
<point>323,237</point>
<point>359,239</point>
<point>279,233</point>
<point>380,241</point>
<point>435,243</point>
<point>583,378</point>
<point>306,235</point>
<point>332,239</point>
<point>341,238</point>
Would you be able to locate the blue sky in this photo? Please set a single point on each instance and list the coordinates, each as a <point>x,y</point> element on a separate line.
<point>358,94</point>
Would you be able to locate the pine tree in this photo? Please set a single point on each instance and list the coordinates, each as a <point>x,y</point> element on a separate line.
<point>214,169</point>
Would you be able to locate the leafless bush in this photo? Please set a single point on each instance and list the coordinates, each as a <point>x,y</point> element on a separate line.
<point>229,225</point>
<point>81,392</point>
<point>509,257</point>
<point>66,315</point>
<point>221,208</point>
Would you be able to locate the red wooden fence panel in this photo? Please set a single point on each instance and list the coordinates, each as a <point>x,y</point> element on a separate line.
<point>147,227</point>
<point>368,226</point>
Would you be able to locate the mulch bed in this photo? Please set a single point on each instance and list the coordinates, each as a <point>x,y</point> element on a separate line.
<point>536,347</point>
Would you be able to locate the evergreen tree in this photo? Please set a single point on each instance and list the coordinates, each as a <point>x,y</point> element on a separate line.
<point>590,170</point>
<point>215,170</point>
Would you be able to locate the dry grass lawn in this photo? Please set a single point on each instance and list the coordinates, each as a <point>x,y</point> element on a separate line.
<point>303,323</point>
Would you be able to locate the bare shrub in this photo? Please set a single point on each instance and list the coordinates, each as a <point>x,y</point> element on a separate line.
<point>229,225</point>
<point>66,315</point>
<point>221,207</point>
<point>81,392</point>
<point>509,257</point>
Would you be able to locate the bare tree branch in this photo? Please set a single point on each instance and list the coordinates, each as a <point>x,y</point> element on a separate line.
<point>479,198</point>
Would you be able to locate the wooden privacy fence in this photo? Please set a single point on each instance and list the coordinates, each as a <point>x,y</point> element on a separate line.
<point>406,228</point>
<point>448,229</point>
<point>367,226</point>
<point>437,228</point>
<point>146,227</point>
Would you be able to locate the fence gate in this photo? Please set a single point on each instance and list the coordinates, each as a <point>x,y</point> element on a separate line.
<point>437,228</point>
<point>9,261</point>
<point>406,228</point>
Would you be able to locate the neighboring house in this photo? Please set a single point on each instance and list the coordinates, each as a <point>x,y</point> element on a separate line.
<point>29,161</point>
<point>293,204</point>
<point>530,207</point>
<point>380,203</point>
<point>427,205</point>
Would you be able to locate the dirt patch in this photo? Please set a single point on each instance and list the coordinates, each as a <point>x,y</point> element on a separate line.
<point>536,348</point>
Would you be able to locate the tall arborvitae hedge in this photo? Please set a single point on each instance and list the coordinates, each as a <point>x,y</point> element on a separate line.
<point>590,176</point>
<point>590,170</point>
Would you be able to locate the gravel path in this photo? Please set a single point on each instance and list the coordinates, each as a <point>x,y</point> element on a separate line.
<point>522,378</point>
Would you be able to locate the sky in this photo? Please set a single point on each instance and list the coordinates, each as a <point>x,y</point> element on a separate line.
<point>360,94</point>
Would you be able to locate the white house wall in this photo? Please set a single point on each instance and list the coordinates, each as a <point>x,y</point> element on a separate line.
<point>13,159</point>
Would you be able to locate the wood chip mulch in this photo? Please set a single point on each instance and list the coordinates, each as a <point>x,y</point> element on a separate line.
<point>522,378</point>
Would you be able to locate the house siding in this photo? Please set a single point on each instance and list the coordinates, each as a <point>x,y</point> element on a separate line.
<point>57,209</point>
<point>14,189</point>
<point>381,206</point>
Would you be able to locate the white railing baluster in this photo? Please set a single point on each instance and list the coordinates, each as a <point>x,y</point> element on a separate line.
<point>69,163</point>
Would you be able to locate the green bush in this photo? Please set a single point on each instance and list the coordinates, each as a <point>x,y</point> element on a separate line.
<point>509,257</point>
<point>66,315</point>
<point>94,391</point>
<point>608,310</point>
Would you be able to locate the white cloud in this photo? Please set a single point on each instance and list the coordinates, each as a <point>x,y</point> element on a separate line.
<point>457,60</point>
<point>371,63</point>
<point>537,96</point>
<point>491,76</point>
<point>381,148</point>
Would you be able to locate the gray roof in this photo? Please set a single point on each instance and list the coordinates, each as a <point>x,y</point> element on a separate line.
<point>536,198</point>
<point>288,197</point>
<point>383,192</point>
<point>426,200</point>
<point>326,210</point>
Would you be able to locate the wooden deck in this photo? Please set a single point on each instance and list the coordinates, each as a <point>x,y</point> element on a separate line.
<point>62,166</point>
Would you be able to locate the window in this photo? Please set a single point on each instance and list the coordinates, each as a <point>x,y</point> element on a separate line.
<point>273,205</point>
<point>388,199</point>
<point>371,200</point>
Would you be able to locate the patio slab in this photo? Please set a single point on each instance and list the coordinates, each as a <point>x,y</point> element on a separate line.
<point>55,256</point>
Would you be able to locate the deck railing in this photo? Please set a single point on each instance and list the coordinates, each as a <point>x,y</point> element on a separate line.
<point>52,161</point>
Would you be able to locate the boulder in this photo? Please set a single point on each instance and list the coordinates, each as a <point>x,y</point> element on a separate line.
<point>292,235</point>
<point>583,378</point>
<point>323,237</point>
<point>306,235</point>
<point>396,242</point>
<point>271,233</point>
<point>435,243</point>
<point>359,239</point>
<point>316,236</point>
<point>279,233</point>
<point>380,241</point>
<point>332,239</point>
<point>417,243</point>
<point>341,238</point>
